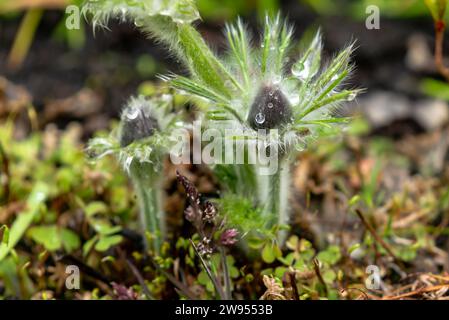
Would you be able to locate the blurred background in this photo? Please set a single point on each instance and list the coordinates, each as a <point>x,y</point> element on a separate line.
<point>58,68</point>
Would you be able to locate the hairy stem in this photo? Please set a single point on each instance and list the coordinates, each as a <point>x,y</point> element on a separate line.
<point>202,61</point>
<point>149,193</point>
<point>245,174</point>
<point>189,46</point>
<point>274,192</point>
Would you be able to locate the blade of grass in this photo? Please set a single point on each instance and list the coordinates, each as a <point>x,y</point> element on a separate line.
<point>24,38</point>
<point>227,279</point>
<point>216,284</point>
<point>140,279</point>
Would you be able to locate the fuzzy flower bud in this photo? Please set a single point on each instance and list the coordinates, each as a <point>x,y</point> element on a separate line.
<point>270,108</point>
<point>137,122</point>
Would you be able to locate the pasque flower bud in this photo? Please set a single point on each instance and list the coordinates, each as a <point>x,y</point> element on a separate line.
<point>149,122</point>
<point>137,122</point>
<point>270,108</point>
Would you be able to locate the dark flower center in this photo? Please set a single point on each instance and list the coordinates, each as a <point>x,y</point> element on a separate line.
<point>270,109</point>
<point>136,125</point>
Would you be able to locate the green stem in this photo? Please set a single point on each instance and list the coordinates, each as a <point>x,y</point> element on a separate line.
<point>226,275</point>
<point>274,193</point>
<point>202,61</point>
<point>189,46</point>
<point>246,179</point>
<point>149,193</point>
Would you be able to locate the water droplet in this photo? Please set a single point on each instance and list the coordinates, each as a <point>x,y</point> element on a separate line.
<point>352,96</point>
<point>335,77</point>
<point>277,79</point>
<point>270,105</point>
<point>260,118</point>
<point>271,93</point>
<point>294,99</point>
<point>301,70</point>
<point>138,23</point>
<point>132,113</point>
<point>300,146</point>
<point>166,97</point>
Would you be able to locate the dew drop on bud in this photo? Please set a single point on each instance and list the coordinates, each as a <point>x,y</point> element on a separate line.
<point>270,105</point>
<point>132,113</point>
<point>297,69</point>
<point>301,71</point>
<point>260,118</point>
<point>294,99</point>
<point>277,80</point>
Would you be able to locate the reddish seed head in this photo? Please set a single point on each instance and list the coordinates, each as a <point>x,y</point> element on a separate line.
<point>190,214</point>
<point>229,237</point>
<point>123,293</point>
